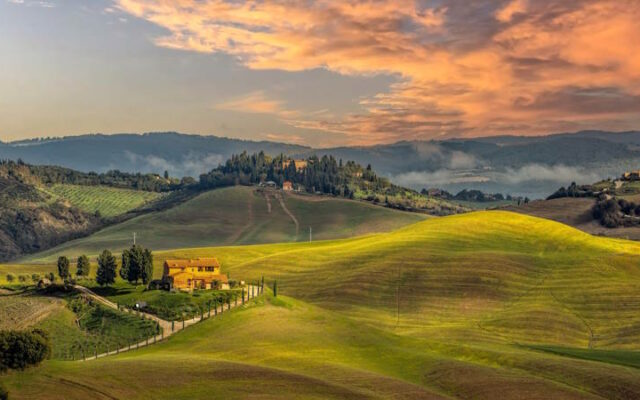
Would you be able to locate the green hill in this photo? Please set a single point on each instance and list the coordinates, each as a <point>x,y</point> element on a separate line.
<point>495,275</point>
<point>239,215</point>
<point>480,305</point>
<point>108,201</point>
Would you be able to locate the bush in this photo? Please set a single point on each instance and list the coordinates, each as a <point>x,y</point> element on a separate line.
<point>4,393</point>
<point>10,278</point>
<point>22,349</point>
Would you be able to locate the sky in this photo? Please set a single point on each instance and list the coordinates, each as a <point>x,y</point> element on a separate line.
<point>321,73</point>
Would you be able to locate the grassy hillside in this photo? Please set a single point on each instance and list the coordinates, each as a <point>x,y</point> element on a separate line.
<point>284,348</point>
<point>495,275</point>
<point>108,201</point>
<point>477,305</point>
<point>576,212</point>
<point>239,215</point>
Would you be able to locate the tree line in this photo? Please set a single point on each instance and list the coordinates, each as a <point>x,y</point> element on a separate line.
<point>136,265</point>
<point>320,174</point>
<point>50,174</point>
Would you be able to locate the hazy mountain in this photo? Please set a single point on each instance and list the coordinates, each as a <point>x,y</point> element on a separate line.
<point>529,166</point>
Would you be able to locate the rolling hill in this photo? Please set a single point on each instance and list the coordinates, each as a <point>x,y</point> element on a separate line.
<point>239,215</point>
<point>479,305</point>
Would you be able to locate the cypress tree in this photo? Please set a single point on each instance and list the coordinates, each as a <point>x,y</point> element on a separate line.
<point>82,266</point>
<point>63,267</point>
<point>106,274</point>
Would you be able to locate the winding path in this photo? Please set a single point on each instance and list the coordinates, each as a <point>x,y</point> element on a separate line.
<point>168,328</point>
<point>289,213</point>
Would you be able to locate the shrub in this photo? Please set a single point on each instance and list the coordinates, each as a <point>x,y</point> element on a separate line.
<point>10,278</point>
<point>4,393</point>
<point>21,349</point>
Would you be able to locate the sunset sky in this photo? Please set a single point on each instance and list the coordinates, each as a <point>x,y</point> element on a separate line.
<point>321,73</point>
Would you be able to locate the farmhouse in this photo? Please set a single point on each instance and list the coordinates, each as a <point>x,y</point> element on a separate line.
<point>201,273</point>
<point>631,176</point>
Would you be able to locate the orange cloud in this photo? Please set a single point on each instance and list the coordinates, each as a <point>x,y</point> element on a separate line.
<point>257,102</point>
<point>466,68</point>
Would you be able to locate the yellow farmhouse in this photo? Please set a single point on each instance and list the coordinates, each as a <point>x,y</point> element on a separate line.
<point>201,273</point>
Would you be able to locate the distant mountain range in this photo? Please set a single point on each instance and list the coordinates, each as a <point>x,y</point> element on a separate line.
<point>517,165</point>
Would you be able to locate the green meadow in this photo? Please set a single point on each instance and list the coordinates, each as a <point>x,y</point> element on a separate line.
<point>237,215</point>
<point>481,305</point>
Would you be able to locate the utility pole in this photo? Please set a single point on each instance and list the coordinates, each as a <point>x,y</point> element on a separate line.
<point>134,238</point>
<point>310,234</point>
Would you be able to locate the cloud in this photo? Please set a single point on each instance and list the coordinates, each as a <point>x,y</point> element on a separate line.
<point>531,173</point>
<point>441,177</point>
<point>43,4</point>
<point>257,102</point>
<point>461,68</point>
<point>513,8</point>
<point>190,164</point>
<point>556,173</point>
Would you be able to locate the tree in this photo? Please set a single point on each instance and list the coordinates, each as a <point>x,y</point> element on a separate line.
<point>63,267</point>
<point>22,278</point>
<point>10,278</point>
<point>21,349</point>
<point>124,267</point>
<point>106,274</point>
<point>166,174</point>
<point>137,264</point>
<point>51,276</point>
<point>275,288</point>
<point>147,267</point>
<point>82,266</point>
<point>35,278</point>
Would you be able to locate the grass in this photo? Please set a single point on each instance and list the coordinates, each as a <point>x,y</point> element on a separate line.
<point>166,305</point>
<point>626,358</point>
<point>494,275</point>
<point>237,215</point>
<point>293,349</point>
<point>72,325</point>
<point>108,201</point>
<point>445,308</point>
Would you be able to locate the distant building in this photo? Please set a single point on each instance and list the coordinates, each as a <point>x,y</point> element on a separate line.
<point>631,176</point>
<point>268,184</point>
<point>287,186</point>
<point>201,273</point>
<point>299,164</point>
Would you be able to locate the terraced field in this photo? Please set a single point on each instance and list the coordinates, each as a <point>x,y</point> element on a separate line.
<point>20,311</point>
<point>107,200</point>
<point>483,305</point>
<point>238,215</point>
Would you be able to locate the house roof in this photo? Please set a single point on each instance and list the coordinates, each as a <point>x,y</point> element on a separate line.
<point>198,262</point>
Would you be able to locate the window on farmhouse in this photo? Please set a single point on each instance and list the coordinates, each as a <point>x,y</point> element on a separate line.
<point>210,269</point>
<point>199,269</point>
